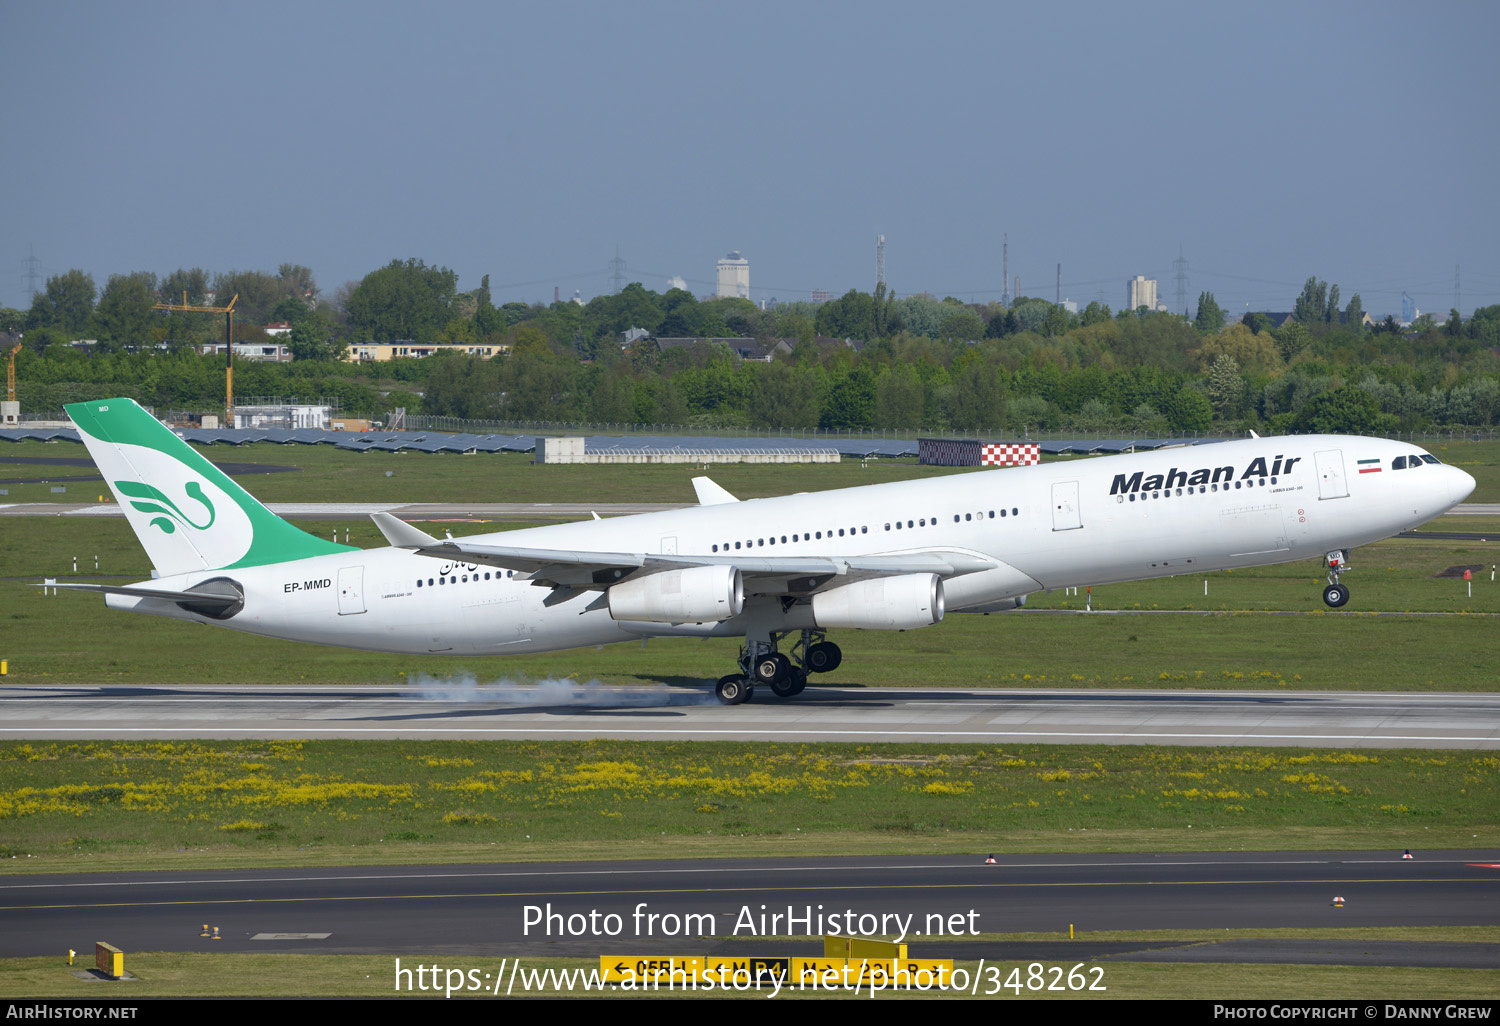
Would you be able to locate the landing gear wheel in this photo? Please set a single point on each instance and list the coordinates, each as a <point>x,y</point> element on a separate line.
<point>823,657</point>
<point>733,689</point>
<point>772,669</point>
<point>791,684</point>
<point>1335,595</point>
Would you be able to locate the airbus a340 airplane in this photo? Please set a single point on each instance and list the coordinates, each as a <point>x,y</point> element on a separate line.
<point>778,572</point>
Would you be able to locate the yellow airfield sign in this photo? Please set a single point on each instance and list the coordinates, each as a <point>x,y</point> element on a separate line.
<point>660,972</point>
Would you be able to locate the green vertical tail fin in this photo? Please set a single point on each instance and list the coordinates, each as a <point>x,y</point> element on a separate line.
<point>186,512</point>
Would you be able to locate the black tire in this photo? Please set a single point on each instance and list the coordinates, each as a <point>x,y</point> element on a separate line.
<point>771,669</point>
<point>824,657</point>
<point>1335,595</point>
<point>791,684</point>
<point>732,690</point>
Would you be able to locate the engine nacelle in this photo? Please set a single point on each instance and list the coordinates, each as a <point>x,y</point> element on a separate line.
<point>884,603</point>
<point>698,594</point>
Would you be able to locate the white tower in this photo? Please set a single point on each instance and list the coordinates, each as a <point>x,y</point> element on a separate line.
<point>734,277</point>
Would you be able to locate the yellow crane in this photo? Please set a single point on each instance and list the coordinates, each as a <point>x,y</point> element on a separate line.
<point>10,373</point>
<point>228,312</point>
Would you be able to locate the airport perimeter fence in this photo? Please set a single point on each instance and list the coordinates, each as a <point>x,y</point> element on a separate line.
<point>457,425</point>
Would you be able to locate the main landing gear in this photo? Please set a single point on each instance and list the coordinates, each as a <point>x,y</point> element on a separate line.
<point>1336,594</point>
<point>761,663</point>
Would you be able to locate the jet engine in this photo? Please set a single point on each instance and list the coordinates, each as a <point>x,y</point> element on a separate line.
<point>698,594</point>
<point>884,603</point>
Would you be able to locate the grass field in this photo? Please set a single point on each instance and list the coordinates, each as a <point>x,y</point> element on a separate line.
<point>164,975</point>
<point>214,804</point>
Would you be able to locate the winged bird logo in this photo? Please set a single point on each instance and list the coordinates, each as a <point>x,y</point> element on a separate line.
<point>139,490</point>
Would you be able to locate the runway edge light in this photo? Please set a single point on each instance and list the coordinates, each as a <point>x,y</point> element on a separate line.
<point>1407,855</point>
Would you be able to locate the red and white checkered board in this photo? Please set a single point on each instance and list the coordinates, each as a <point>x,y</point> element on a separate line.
<point>1018,455</point>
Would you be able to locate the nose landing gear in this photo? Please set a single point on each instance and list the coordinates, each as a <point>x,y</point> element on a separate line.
<point>761,663</point>
<point>1336,594</point>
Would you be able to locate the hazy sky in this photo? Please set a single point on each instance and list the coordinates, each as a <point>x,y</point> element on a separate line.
<point>1358,142</point>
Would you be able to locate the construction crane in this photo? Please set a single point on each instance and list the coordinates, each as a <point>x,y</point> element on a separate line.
<point>228,312</point>
<point>10,373</point>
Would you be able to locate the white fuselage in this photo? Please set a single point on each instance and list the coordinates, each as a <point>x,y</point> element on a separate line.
<point>1091,521</point>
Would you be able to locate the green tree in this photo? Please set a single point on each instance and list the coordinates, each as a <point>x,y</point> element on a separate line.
<point>309,341</point>
<point>1210,317</point>
<point>403,300</point>
<point>258,294</point>
<point>67,304</point>
<point>785,396</point>
<point>852,315</point>
<point>1354,316</point>
<point>298,281</point>
<point>1189,411</point>
<point>191,283</point>
<point>1291,340</point>
<point>850,401</point>
<point>1226,388</point>
<point>125,312</point>
<point>1455,324</point>
<point>1342,411</point>
<point>1311,306</point>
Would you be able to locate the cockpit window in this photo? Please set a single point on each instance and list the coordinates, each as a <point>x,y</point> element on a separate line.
<point>1430,459</point>
<point>1399,463</point>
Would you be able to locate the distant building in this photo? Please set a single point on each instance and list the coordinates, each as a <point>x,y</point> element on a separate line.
<point>1140,291</point>
<point>734,277</point>
<point>278,328</point>
<point>288,416</point>
<point>259,351</point>
<point>820,296</point>
<point>380,352</point>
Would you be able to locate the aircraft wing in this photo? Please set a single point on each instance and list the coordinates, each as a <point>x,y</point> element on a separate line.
<point>572,568</point>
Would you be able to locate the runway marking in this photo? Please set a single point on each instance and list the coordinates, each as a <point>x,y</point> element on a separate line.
<point>820,888</point>
<point>730,869</point>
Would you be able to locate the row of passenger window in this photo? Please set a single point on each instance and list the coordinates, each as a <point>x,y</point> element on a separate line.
<point>464,578</point>
<point>751,543</point>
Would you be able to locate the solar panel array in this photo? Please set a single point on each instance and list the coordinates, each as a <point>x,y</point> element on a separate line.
<point>435,441</point>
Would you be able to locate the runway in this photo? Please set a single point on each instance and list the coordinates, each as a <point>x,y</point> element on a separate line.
<point>566,710</point>
<point>941,904</point>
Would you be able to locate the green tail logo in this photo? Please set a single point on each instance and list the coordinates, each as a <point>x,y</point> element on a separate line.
<point>140,490</point>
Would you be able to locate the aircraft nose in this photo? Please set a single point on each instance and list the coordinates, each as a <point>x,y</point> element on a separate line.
<point>1462,484</point>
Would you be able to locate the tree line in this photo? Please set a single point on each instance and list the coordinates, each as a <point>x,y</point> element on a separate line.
<point>863,360</point>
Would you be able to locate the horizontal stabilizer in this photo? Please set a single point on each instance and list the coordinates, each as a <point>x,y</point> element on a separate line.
<point>710,494</point>
<point>212,598</point>
<point>401,534</point>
